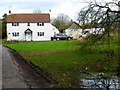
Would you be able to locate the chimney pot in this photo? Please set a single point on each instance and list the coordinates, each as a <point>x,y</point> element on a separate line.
<point>9,12</point>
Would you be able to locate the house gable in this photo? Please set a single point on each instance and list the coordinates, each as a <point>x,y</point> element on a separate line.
<point>73,29</point>
<point>73,25</point>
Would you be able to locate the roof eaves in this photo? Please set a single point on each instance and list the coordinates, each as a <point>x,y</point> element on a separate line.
<point>78,24</point>
<point>68,25</point>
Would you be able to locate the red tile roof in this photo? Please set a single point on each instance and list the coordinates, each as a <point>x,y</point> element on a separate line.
<point>31,18</point>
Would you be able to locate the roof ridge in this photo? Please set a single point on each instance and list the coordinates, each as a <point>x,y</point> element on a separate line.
<point>70,23</point>
<point>29,17</point>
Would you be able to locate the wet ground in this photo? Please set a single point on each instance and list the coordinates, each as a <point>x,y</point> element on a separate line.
<point>18,74</point>
<point>103,81</point>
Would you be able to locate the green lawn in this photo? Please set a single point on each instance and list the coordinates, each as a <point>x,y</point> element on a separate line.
<point>64,60</point>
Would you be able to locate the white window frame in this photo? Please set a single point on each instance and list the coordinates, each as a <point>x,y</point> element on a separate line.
<point>40,24</point>
<point>40,33</point>
<point>15,34</point>
<point>15,24</point>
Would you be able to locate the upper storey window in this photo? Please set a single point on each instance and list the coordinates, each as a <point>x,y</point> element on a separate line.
<point>40,24</point>
<point>28,24</point>
<point>15,24</point>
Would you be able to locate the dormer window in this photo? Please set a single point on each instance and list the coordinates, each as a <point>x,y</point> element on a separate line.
<point>15,24</point>
<point>28,24</point>
<point>40,24</point>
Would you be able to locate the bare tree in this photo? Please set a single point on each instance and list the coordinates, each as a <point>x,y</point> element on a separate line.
<point>61,21</point>
<point>37,11</point>
<point>105,15</point>
<point>102,15</point>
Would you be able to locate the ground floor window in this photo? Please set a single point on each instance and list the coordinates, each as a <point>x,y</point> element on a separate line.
<point>40,33</point>
<point>15,34</point>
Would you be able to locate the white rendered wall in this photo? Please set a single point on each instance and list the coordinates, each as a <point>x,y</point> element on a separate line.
<point>48,30</point>
<point>75,33</point>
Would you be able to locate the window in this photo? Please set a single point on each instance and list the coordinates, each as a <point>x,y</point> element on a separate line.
<point>40,33</point>
<point>15,34</point>
<point>15,24</point>
<point>28,24</point>
<point>40,24</point>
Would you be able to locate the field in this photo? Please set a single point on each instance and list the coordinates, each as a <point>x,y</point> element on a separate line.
<point>64,60</point>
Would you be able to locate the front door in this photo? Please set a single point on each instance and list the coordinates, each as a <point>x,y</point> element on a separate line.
<point>28,35</point>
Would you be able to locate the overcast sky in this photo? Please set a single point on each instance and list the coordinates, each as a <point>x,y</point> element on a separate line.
<point>68,7</point>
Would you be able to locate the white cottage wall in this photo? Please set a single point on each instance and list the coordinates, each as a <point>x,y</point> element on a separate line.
<point>48,30</point>
<point>75,33</point>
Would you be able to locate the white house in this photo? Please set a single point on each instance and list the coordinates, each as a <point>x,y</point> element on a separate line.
<point>73,29</point>
<point>30,27</point>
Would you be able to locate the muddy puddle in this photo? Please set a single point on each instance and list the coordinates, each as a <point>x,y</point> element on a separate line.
<point>102,81</point>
